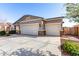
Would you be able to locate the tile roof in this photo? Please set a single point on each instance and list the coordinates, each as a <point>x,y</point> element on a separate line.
<point>5,24</point>
<point>55,19</point>
<point>28,17</point>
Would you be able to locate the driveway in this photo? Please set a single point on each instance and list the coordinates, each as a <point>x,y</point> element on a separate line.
<point>23,45</point>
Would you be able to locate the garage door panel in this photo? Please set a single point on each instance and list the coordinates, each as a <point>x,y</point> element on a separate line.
<point>31,29</point>
<point>53,29</point>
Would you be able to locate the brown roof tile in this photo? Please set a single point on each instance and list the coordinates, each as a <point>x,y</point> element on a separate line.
<point>28,17</point>
<point>55,20</point>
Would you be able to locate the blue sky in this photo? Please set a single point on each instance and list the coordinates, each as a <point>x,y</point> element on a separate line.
<point>12,12</point>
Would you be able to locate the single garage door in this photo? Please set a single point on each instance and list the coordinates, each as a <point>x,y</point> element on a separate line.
<point>53,29</point>
<point>31,29</point>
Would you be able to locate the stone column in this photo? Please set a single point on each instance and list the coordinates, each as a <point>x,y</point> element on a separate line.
<point>17,28</point>
<point>42,31</point>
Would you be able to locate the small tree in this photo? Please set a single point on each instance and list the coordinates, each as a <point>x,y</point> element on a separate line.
<point>72,11</point>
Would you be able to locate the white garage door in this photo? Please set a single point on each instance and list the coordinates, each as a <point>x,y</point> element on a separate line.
<point>53,29</point>
<point>31,29</point>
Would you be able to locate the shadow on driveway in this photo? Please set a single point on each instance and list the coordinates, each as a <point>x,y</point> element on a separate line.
<point>25,52</point>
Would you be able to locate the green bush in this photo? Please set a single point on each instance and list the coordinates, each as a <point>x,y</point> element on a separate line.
<point>71,47</point>
<point>2,33</point>
<point>12,32</point>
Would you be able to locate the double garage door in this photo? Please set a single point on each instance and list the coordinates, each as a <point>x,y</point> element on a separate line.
<point>32,29</point>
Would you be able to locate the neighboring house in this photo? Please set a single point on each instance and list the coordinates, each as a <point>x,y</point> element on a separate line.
<point>34,25</point>
<point>2,27</point>
<point>6,26</point>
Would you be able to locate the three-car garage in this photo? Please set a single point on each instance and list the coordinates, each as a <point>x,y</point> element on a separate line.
<point>32,29</point>
<point>34,25</point>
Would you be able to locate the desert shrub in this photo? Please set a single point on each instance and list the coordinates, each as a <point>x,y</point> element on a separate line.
<point>2,33</point>
<point>71,47</point>
<point>12,32</point>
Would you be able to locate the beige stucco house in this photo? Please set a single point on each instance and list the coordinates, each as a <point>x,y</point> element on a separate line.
<point>35,25</point>
<point>6,26</point>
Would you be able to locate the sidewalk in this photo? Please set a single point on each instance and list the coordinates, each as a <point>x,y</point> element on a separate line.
<point>73,38</point>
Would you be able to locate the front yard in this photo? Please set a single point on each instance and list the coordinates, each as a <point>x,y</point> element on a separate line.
<point>23,45</point>
<point>70,45</point>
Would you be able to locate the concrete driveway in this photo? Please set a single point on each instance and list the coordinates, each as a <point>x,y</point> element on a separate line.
<point>23,45</point>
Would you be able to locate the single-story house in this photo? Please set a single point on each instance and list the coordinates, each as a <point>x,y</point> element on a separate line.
<point>35,25</point>
<point>6,26</point>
